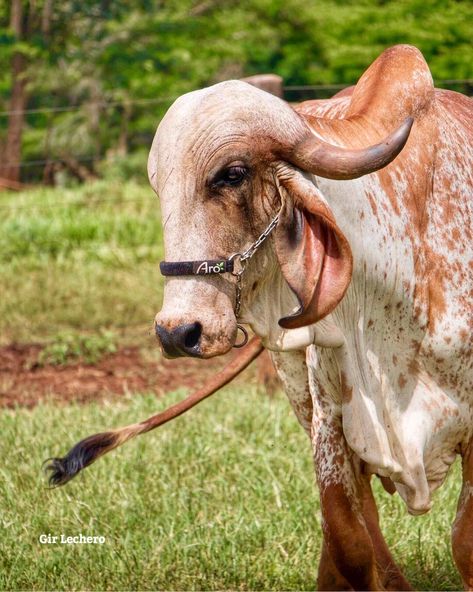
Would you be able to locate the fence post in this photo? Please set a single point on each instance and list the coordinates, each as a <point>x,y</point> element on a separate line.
<point>271,83</point>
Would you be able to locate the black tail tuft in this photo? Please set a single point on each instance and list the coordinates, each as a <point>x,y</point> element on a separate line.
<point>82,455</point>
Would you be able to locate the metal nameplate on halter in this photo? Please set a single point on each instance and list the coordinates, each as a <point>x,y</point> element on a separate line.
<point>206,267</point>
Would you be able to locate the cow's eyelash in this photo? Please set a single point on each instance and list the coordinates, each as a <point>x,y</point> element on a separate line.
<point>231,176</point>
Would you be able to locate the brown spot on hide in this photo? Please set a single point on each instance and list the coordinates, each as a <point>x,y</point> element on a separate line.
<point>401,381</point>
<point>347,391</point>
<point>413,367</point>
<point>389,188</point>
<point>374,207</point>
<point>437,305</point>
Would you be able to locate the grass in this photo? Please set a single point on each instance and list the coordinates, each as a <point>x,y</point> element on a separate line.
<point>70,347</point>
<point>221,499</point>
<point>78,259</point>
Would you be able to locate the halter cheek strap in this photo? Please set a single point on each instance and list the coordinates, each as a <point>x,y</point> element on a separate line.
<point>216,266</point>
<point>204,267</point>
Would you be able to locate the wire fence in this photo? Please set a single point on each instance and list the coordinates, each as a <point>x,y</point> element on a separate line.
<point>288,90</point>
<point>292,93</point>
<point>32,163</point>
<point>99,104</point>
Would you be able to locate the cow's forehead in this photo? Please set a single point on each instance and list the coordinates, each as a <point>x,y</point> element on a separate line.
<point>186,123</point>
<point>229,103</point>
<point>205,119</point>
<point>229,96</point>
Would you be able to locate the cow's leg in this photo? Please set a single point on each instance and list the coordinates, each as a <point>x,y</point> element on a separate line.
<point>462,530</point>
<point>329,578</point>
<point>347,539</point>
<point>292,371</point>
<point>390,574</point>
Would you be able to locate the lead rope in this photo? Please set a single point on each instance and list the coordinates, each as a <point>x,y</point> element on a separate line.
<point>242,259</point>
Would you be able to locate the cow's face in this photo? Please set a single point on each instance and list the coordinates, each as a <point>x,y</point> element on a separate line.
<point>217,192</point>
<point>224,161</point>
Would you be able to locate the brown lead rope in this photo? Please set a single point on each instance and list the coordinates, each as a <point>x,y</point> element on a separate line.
<point>90,449</point>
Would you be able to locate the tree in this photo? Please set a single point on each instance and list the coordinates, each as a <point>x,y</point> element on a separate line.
<point>10,170</point>
<point>107,71</point>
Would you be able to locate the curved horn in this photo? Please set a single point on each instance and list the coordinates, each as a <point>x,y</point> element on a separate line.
<point>334,162</point>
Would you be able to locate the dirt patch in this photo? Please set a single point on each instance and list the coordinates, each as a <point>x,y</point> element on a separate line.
<point>25,383</point>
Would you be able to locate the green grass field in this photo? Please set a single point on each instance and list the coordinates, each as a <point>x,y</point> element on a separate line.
<point>221,499</point>
<point>83,259</point>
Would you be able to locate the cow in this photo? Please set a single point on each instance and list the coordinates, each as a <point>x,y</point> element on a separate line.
<point>363,291</point>
<point>340,231</point>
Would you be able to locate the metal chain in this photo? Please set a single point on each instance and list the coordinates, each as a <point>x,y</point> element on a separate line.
<point>251,250</point>
<point>243,257</point>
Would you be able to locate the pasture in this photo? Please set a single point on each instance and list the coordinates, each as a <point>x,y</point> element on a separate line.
<point>222,498</point>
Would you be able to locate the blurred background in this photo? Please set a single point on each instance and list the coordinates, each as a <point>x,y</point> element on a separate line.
<point>83,84</point>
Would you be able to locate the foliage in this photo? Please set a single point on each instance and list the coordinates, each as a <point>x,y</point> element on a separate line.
<point>223,498</point>
<point>73,347</point>
<point>122,63</point>
<point>126,167</point>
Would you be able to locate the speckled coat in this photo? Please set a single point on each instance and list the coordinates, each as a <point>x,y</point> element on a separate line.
<point>380,369</point>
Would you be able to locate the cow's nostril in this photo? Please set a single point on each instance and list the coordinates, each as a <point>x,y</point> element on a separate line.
<point>180,341</point>
<point>193,335</point>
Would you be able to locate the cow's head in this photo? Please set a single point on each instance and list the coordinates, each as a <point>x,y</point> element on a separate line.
<point>224,161</point>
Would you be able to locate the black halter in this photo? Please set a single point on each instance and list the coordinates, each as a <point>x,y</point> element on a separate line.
<point>204,267</point>
<point>217,266</point>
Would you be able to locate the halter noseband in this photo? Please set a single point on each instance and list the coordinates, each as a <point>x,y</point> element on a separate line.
<point>216,266</point>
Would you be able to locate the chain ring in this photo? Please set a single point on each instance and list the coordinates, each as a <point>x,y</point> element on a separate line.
<point>245,337</point>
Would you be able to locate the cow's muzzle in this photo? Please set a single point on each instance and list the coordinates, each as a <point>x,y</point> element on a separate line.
<point>184,340</point>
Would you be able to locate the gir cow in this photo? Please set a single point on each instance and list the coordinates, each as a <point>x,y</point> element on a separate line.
<point>340,231</point>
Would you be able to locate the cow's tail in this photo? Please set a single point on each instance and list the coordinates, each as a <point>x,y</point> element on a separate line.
<point>90,449</point>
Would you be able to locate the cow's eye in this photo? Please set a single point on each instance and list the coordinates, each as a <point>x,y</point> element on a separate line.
<point>234,175</point>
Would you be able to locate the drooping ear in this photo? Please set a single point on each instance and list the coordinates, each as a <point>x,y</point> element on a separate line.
<point>313,253</point>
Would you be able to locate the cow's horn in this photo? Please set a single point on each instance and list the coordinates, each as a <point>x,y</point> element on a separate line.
<point>334,162</point>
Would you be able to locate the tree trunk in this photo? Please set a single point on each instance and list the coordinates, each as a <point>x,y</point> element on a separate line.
<point>46,16</point>
<point>122,146</point>
<point>12,151</point>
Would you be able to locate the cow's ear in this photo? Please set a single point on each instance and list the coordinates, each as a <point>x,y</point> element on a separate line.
<point>313,253</point>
